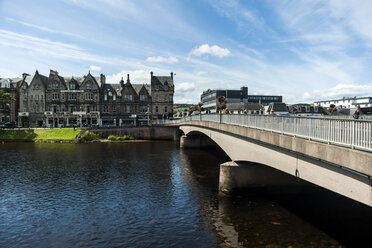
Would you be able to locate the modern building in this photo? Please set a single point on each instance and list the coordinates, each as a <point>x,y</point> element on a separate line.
<point>264,100</point>
<point>210,98</point>
<point>347,102</point>
<point>57,101</point>
<point>10,85</point>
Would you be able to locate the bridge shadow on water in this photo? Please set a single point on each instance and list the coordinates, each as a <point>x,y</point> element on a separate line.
<point>297,205</point>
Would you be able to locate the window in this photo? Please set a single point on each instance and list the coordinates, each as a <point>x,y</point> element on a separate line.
<point>143,97</point>
<point>165,98</point>
<point>105,108</point>
<point>89,86</point>
<point>55,86</point>
<point>143,109</point>
<point>128,97</point>
<point>88,96</point>
<point>36,97</point>
<point>105,97</point>
<point>37,109</point>
<point>156,109</point>
<point>24,109</point>
<point>31,97</point>
<point>165,87</point>
<point>63,96</point>
<point>165,109</point>
<point>24,86</point>
<point>41,97</point>
<point>72,96</point>
<point>55,96</point>
<point>72,86</point>
<point>127,109</point>
<point>156,98</point>
<point>114,109</point>
<point>114,97</point>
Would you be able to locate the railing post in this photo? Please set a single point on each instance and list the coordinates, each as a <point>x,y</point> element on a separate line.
<point>353,134</point>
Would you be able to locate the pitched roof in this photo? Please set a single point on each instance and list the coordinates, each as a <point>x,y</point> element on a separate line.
<point>162,80</point>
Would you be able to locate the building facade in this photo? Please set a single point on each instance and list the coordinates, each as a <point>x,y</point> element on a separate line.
<point>10,86</point>
<point>57,101</point>
<point>211,98</point>
<point>264,100</point>
<point>347,102</point>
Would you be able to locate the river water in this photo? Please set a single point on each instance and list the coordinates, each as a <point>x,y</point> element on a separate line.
<point>152,194</point>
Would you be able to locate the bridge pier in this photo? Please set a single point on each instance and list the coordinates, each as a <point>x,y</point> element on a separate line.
<point>196,141</point>
<point>258,178</point>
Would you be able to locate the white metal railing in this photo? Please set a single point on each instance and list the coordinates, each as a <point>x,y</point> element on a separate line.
<point>346,132</point>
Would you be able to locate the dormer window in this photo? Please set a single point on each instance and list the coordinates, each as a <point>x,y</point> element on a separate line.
<point>165,87</point>
<point>72,86</point>
<point>5,84</point>
<point>55,86</point>
<point>114,97</point>
<point>24,86</point>
<point>89,86</point>
<point>37,86</point>
<point>105,97</point>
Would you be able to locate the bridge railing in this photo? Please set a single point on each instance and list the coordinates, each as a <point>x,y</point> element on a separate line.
<point>346,132</point>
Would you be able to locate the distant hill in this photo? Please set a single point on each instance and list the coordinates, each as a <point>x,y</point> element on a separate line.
<point>181,105</point>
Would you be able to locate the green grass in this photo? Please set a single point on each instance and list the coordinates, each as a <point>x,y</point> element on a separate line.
<point>39,134</point>
<point>124,137</point>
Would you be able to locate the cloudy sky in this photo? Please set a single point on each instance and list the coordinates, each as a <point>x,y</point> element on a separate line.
<point>304,50</point>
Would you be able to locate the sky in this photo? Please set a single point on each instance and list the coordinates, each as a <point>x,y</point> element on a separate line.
<point>303,50</point>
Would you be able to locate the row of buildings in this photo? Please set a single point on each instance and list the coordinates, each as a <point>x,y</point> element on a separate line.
<point>239,101</point>
<point>56,101</point>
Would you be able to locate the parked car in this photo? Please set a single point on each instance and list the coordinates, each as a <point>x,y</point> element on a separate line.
<point>8,125</point>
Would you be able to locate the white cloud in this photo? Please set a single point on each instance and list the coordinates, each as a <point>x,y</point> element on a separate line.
<point>159,59</point>
<point>339,91</point>
<point>94,68</point>
<point>184,87</point>
<point>210,50</point>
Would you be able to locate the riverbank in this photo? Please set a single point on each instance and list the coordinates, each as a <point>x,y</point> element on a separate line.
<point>60,135</point>
<point>39,135</point>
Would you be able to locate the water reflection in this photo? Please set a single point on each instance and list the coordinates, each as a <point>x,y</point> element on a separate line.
<point>148,194</point>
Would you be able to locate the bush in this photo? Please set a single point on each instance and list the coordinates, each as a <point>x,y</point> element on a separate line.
<point>124,137</point>
<point>89,136</point>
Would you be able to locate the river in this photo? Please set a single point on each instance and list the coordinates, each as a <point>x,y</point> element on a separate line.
<point>152,194</point>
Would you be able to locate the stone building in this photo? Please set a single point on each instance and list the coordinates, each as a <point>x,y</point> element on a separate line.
<point>32,100</point>
<point>162,90</point>
<point>90,101</point>
<point>10,85</point>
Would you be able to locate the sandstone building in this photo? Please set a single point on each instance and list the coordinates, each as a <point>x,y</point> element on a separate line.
<point>57,101</point>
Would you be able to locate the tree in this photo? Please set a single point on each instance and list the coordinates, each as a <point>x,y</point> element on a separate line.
<point>5,100</point>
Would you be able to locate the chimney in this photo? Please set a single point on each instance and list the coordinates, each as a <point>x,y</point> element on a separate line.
<point>171,75</point>
<point>103,79</point>
<point>128,80</point>
<point>52,72</point>
<point>25,75</point>
<point>151,73</point>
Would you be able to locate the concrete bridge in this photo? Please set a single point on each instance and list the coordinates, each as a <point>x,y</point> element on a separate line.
<point>342,167</point>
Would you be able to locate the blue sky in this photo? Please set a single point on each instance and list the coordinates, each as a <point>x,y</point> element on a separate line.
<point>304,50</point>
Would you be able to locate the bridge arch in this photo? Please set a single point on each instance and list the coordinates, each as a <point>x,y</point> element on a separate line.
<point>321,173</point>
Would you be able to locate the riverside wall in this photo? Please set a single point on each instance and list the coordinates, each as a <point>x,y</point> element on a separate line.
<point>144,133</point>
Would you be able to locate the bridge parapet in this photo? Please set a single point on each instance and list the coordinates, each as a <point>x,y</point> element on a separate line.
<point>356,134</point>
